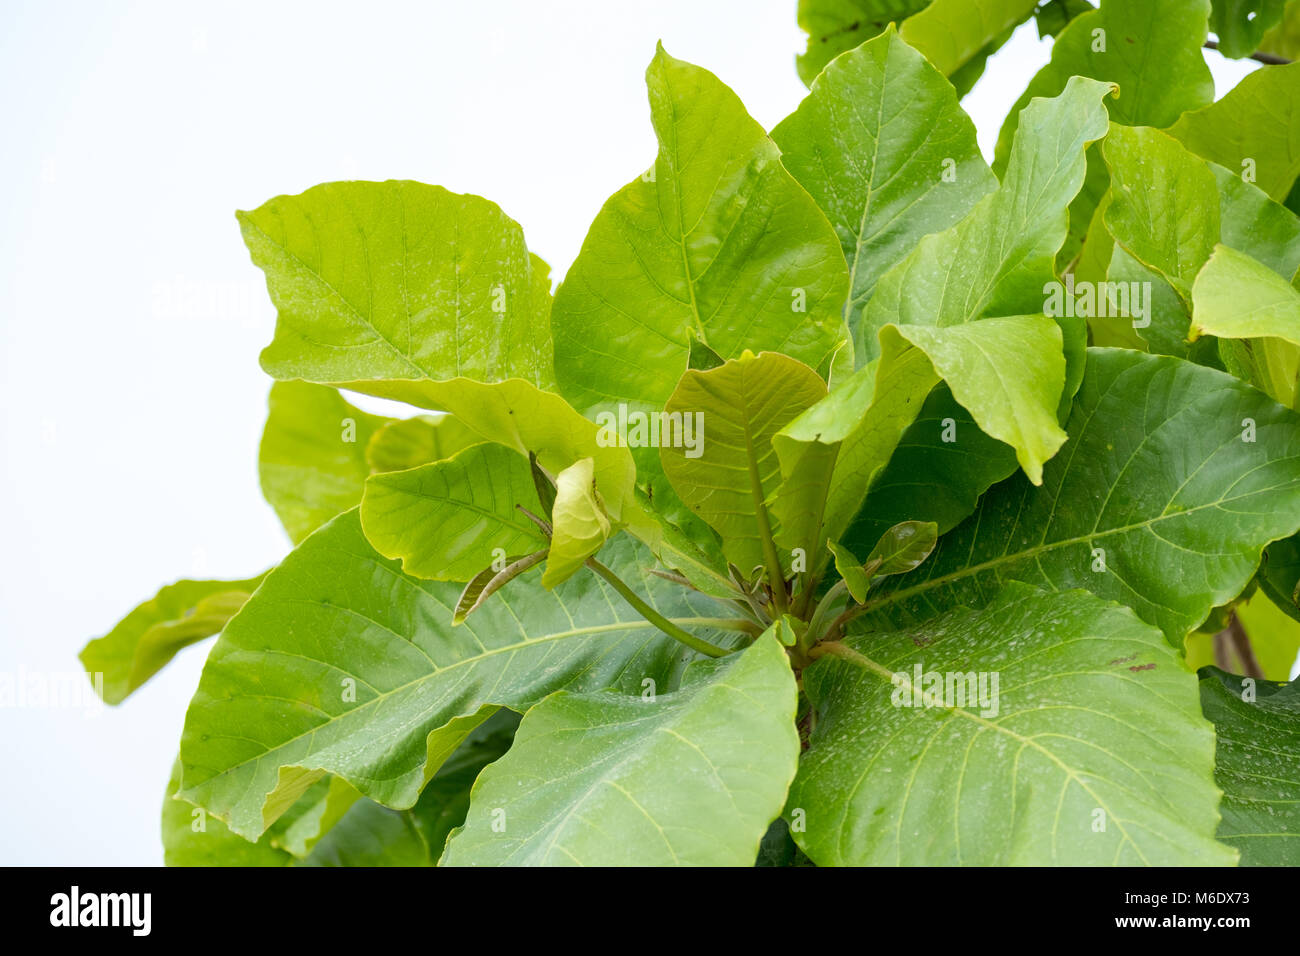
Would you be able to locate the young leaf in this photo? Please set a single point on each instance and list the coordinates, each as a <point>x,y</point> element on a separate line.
<point>719,241</point>
<point>153,633</point>
<point>490,580</point>
<point>1236,297</point>
<point>445,520</point>
<point>851,571</point>
<point>312,460</point>
<point>344,665</point>
<point>1257,765</point>
<point>1175,478</point>
<point>1044,729</point>
<point>580,523</point>
<point>417,441</point>
<point>741,406</point>
<point>692,777</point>
<point>883,146</point>
<point>399,280</point>
<point>903,547</point>
<point>1255,128</point>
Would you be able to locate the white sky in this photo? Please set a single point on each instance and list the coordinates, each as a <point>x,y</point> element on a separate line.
<point>131,411</point>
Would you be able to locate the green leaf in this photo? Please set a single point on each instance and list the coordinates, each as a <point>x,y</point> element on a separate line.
<point>997,260</point>
<point>581,525</point>
<point>931,478</point>
<point>883,146</point>
<point>374,835</point>
<point>903,547</point>
<point>154,632</point>
<point>1255,128</point>
<point>1088,749</point>
<point>312,461</point>
<point>1280,575</point>
<point>1157,502</point>
<point>417,441</point>
<point>1052,17</point>
<point>1151,50</point>
<point>193,837</point>
<point>343,665</point>
<point>1164,205</point>
<point>692,777</point>
<point>1240,25</point>
<point>1284,39</point>
<point>718,242</point>
<point>1258,765</point>
<point>851,571</point>
<point>1236,297</point>
<point>446,520</point>
<point>953,32</point>
<point>741,406</point>
<point>834,26</point>
<point>490,580</point>
<point>399,280</point>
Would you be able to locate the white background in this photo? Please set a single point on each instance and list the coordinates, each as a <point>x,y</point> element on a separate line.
<point>132,317</point>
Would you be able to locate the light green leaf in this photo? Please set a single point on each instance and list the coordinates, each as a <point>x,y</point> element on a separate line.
<point>1258,766</point>
<point>581,525</point>
<point>998,259</point>
<point>719,242</point>
<point>417,441</point>
<point>953,32</point>
<point>902,548</point>
<point>344,665</point>
<point>193,837</point>
<point>312,460</point>
<point>692,777</point>
<point>154,632</point>
<point>1163,206</point>
<point>1255,128</point>
<point>446,520</point>
<point>1088,750</point>
<point>851,571</point>
<point>883,146</point>
<point>834,26</point>
<point>1156,502</point>
<point>1284,39</point>
<point>740,407</point>
<point>1240,25</point>
<point>1236,297</point>
<point>399,280</point>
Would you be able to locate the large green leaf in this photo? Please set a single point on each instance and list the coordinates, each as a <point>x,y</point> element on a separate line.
<point>332,825</point>
<point>834,26</point>
<point>399,280</point>
<point>1163,499</point>
<point>1236,297</point>
<point>1152,50</point>
<point>741,405</point>
<point>951,33</point>
<point>1089,749</point>
<point>1258,765</point>
<point>688,778</point>
<point>312,461</point>
<point>718,242</point>
<point>450,519</point>
<point>342,664</point>
<point>1240,25</point>
<point>153,633</point>
<point>997,260</point>
<point>883,146</point>
<point>1255,127</point>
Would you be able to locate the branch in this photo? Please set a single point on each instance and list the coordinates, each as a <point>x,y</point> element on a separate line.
<point>1272,59</point>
